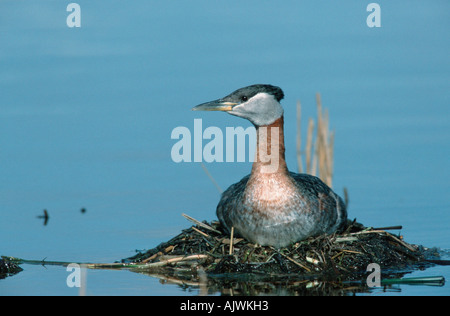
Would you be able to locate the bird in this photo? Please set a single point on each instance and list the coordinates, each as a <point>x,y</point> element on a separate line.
<point>273,206</point>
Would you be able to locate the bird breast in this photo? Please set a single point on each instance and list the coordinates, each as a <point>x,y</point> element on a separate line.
<point>272,193</point>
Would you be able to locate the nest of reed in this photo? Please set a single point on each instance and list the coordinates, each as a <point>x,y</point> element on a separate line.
<point>205,248</point>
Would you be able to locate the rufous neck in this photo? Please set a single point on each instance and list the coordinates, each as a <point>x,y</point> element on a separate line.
<point>269,156</point>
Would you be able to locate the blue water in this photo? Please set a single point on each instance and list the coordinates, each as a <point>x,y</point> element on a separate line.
<point>86,116</point>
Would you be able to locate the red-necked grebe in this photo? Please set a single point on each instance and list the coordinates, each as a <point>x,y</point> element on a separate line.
<point>272,206</point>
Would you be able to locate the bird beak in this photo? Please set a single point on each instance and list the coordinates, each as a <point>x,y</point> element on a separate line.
<point>217,105</point>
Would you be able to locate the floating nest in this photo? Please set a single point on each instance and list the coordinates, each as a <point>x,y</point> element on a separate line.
<point>206,251</point>
<point>8,268</point>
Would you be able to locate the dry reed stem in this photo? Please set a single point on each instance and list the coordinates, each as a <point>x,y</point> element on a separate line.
<point>314,160</point>
<point>152,257</point>
<point>352,251</point>
<point>295,262</point>
<point>345,239</point>
<point>189,218</point>
<point>408,246</point>
<point>346,197</point>
<point>382,232</point>
<point>171,260</point>
<point>200,232</point>
<point>331,153</point>
<point>231,240</point>
<point>299,138</point>
<point>227,241</point>
<point>309,145</point>
<point>323,149</point>
<point>211,178</point>
<point>312,260</point>
<point>320,138</point>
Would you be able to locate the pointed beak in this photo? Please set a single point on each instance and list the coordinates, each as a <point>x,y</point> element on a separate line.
<point>217,105</point>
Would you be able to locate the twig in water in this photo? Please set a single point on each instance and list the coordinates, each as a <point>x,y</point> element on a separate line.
<point>433,280</point>
<point>389,228</point>
<point>439,262</point>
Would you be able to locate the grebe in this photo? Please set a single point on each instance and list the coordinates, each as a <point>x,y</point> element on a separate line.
<point>272,206</point>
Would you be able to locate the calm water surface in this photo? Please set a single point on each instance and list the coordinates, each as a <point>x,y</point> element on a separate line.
<point>86,116</point>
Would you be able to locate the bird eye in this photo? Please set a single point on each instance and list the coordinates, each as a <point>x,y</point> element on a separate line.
<point>244,98</point>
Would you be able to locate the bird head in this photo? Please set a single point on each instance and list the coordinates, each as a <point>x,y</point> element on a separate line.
<point>259,103</point>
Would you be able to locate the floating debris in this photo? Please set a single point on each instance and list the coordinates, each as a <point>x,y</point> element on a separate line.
<point>431,281</point>
<point>8,268</point>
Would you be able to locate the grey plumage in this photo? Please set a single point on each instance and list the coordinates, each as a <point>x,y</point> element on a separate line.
<point>315,199</point>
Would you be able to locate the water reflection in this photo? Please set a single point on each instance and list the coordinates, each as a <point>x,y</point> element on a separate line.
<point>195,282</point>
<point>253,285</point>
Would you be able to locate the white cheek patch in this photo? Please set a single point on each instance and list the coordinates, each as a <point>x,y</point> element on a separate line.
<point>262,109</point>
